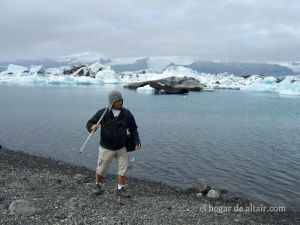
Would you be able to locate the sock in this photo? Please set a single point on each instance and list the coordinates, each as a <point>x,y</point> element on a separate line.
<point>120,186</point>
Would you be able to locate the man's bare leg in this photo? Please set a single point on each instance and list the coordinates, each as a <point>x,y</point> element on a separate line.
<point>121,180</point>
<point>98,178</point>
<point>98,190</point>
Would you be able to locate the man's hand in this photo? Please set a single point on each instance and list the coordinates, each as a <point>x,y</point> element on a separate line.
<point>137,147</point>
<point>94,127</point>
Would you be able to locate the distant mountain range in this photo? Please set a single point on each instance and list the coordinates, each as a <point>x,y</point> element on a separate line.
<point>241,69</point>
<point>158,64</point>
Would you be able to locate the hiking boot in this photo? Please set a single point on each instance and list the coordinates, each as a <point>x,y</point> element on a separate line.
<point>122,193</point>
<point>98,190</point>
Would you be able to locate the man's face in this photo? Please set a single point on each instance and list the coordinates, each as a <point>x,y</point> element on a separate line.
<point>118,104</point>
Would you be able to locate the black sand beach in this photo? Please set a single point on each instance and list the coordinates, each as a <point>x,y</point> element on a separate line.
<point>37,190</point>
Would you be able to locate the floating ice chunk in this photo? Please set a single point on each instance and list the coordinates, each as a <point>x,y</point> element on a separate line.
<point>288,92</point>
<point>108,77</point>
<point>86,80</point>
<point>62,79</point>
<point>55,71</point>
<point>269,80</point>
<point>127,77</point>
<point>252,78</point>
<point>179,71</point>
<point>36,69</point>
<point>146,88</point>
<point>69,79</point>
<point>259,85</point>
<point>204,79</point>
<point>229,82</point>
<point>21,79</point>
<point>289,86</point>
<point>15,69</point>
<point>223,81</point>
<point>172,71</point>
<point>83,71</point>
<point>96,67</point>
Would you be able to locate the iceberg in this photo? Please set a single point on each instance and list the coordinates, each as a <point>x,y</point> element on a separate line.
<point>289,92</point>
<point>227,81</point>
<point>179,71</point>
<point>145,89</point>
<point>108,77</point>
<point>289,86</point>
<point>69,79</point>
<point>36,69</point>
<point>98,74</point>
<point>270,80</point>
<point>55,71</point>
<point>15,69</point>
<point>96,67</point>
<point>21,79</point>
<point>267,84</point>
<point>172,71</point>
<point>83,71</point>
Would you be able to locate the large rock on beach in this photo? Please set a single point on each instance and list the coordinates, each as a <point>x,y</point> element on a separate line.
<point>203,188</point>
<point>22,208</point>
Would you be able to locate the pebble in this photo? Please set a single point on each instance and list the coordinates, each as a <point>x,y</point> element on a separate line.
<point>213,194</point>
<point>152,203</point>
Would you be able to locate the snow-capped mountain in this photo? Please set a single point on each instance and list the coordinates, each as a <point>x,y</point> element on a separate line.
<point>295,66</point>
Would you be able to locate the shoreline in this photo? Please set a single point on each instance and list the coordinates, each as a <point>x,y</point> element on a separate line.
<point>61,193</point>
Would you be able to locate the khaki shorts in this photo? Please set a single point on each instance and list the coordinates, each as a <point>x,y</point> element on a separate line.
<point>105,158</point>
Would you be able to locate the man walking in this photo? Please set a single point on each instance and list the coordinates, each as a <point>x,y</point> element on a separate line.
<point>114,126</point>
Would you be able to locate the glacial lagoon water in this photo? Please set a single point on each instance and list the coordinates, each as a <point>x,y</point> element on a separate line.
<point>247,143</point>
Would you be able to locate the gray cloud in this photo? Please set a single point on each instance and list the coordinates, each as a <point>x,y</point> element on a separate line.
<point>239,30</point>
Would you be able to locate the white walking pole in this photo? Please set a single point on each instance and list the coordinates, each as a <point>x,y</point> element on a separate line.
<point>86,141</point>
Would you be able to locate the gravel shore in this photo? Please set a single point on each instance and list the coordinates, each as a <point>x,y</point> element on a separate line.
<point>37,190</point>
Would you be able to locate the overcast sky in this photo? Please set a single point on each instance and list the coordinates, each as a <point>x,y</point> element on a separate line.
<point>235,30</point>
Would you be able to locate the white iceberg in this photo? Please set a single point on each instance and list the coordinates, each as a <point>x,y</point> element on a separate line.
<point>146,88</point>
<point>179,71</point>
<point>288,92</point>
<point>289,86</point>
<point>100,74</point>
<point>267,84</point>
<point>96,67</point>
<point>16,69</point>
<point>21,79</point>
<point>36,69</point>
<point>108,77</point>
<point>69,79</point>
<point>53,71</point>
